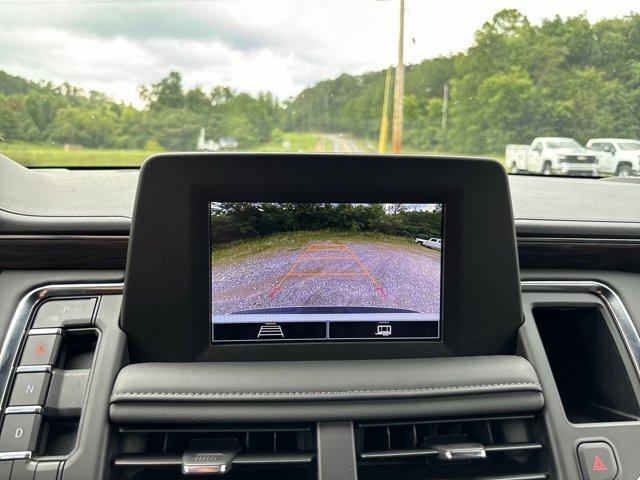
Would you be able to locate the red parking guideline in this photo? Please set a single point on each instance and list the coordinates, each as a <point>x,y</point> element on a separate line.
<point>335,251</point>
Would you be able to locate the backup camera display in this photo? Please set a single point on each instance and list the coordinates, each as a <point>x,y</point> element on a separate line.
<point>325,271</point>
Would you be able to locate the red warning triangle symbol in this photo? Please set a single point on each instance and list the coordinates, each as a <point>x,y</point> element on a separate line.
<point>598,465</point>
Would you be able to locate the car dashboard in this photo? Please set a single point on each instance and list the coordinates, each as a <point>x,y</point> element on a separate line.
<point>111,367</point>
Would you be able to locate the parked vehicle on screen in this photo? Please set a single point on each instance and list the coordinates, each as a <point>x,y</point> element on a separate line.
<point>617,156</point>
<point>435,243</point>
<point>552,155</point>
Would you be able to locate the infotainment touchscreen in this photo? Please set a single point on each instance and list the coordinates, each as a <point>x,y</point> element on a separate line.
<point>325,271</point>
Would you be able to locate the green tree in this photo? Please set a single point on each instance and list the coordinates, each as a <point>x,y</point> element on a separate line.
<point>15,124</point>
<point>167,93</point>
<point>42,109</point>
<point>197,101</point>
<point>90,128</point>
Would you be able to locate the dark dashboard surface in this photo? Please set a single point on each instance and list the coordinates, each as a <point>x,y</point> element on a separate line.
<point>101,201</point>
<point>60,218</point>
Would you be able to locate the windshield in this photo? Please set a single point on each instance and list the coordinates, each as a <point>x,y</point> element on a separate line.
<point>110,82</point>
<point>629,145</point>
<point>563,144</point>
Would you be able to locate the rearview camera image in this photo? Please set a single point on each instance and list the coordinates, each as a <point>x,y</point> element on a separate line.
<point>325,271</point>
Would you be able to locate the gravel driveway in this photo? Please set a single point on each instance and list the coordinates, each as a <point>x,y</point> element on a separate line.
<point>331,274</point>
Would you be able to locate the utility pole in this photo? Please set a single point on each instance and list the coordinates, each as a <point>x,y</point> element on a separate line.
<point>445,112</point>
<point>384,122</point>
<point>398,98</point>
<point>445,107</point>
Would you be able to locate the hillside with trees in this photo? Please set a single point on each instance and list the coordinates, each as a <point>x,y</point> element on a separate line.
<point>565,77</point>
<point>63,114</point>
<point>235,221</point>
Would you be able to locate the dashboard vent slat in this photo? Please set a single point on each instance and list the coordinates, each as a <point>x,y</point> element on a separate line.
<point>287,451</point>
<point>424,452</point>
<point>175,460</point>
<point>412,449</point>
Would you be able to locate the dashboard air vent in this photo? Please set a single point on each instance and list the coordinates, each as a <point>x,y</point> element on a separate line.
<point>261,451</point>
<point>487,448</point>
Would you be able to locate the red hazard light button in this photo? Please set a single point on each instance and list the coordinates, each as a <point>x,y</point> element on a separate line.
<point>597,461</point>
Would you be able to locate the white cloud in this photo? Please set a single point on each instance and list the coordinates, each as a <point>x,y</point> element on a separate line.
<point>280,45</point>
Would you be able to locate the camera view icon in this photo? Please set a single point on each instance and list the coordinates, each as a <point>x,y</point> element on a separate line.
<point>383,330</point>
<point>270,330</point>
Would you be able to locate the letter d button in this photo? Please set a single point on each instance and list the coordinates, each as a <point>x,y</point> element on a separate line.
<point>20,432</point>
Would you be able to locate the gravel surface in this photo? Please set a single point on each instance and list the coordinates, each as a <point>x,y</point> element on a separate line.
<point>331,274</point>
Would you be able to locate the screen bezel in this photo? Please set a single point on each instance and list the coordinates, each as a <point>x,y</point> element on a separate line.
<point>362,339</point>
<point>166,299</point>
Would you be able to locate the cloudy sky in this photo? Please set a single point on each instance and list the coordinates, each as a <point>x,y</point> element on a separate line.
<point>278,45</point>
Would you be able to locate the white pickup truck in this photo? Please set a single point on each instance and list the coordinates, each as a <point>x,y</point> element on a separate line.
<point>617,156</point>
<point>552,155</point>
<point>435,243</point>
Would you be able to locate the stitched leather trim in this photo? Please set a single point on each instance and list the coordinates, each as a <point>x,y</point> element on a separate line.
<point>458,388</point>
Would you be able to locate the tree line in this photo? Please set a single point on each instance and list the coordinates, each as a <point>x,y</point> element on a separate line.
<point>172,118</point>
<point>564,77</point>
<point>236,221</point>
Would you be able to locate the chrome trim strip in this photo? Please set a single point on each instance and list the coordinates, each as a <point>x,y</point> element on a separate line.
<point>24,409</point>
<point>45,331</point>
<point>120,238</point>
<point>611,300</point>
<point>15,455</point>
<point>578,240</point>
<point>34,369</point>
<point>20,322</point>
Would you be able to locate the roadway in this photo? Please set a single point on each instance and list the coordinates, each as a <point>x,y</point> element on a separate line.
<point>343,144</point>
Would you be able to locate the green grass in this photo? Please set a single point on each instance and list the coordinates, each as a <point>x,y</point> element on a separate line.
<point>31,155</point>
<point>242,249</point>
<point>296,142</point>
<point>371,146</point>
<point>55,156</point>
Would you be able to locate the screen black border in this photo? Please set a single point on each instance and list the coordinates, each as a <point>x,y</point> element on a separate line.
<point>443,212</point>
<point>166,299</point>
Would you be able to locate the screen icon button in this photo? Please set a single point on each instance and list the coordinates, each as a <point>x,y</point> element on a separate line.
<point>383,330</point>
<point>270,330</point>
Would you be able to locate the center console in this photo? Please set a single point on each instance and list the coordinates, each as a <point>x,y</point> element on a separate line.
<point>326,305</point>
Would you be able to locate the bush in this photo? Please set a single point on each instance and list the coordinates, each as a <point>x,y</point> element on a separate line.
<point>152,146</point>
